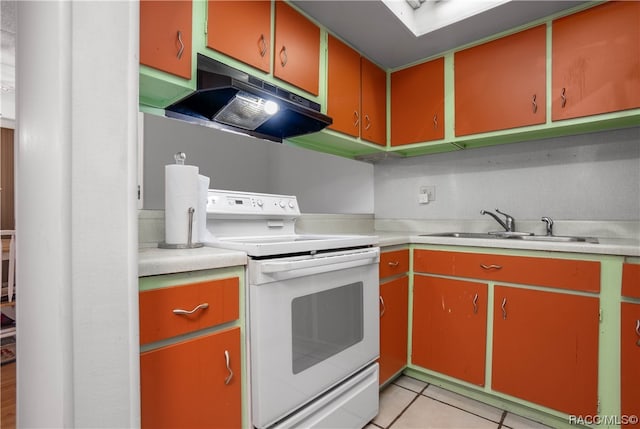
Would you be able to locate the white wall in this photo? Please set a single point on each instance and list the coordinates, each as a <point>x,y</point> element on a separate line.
<point>323,183</point>
<point>584,177</point>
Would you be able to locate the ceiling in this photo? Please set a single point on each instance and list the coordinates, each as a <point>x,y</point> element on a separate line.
<point>371,28</point>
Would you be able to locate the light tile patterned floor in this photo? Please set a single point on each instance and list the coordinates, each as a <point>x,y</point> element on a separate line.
<point>408,403</point>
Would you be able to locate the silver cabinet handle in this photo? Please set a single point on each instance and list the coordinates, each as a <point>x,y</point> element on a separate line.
<point>490,267</point>
<point>283,56</point>
<point>230,376</point>
<point>504,308</point>
<point>535,105</point>
<point>181,49</point>
<point>368,122</point>
<point>384,308</point>
<point>435,121</point>
<point>475,303</point>
<point>393,263</point>
<point>356,118</point>
<point>198,307</point>
<point>563,96</point>
<point>263,45</point>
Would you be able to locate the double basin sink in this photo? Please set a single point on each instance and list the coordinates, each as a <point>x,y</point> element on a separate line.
<point>515,236</point>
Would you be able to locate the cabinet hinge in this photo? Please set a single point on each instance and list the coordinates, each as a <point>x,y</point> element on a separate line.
<point>205,26</point>
<point>600,314</point>
<point>598,408</point>
<point>138,192</point>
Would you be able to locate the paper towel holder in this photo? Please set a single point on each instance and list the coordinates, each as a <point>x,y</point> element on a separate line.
<point>190,244</point>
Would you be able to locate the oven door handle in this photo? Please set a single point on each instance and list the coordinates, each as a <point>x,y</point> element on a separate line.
<point>359,258</point>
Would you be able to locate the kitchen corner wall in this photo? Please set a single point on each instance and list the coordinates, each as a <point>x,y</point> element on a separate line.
<point>585,177</point>
<point>323,183</point>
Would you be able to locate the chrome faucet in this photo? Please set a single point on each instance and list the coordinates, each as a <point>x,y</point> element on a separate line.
<point>509,224</point>
<point>549,223</point>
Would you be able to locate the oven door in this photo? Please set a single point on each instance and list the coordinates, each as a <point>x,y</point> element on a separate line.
<point>314,321</point>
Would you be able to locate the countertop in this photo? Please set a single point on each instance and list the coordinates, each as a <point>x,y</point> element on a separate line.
<point>154,261</point>
<point>606,246</point>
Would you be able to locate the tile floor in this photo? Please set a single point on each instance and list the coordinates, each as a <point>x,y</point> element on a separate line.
<point>410,403</point>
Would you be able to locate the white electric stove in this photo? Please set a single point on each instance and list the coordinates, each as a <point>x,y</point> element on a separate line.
<point>312,313</point>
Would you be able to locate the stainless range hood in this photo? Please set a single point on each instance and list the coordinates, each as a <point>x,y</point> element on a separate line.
<point>231,99</point>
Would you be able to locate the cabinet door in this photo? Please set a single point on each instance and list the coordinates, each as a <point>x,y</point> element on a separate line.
<point>374,103</point>
<point>190,384</point>
<point>417,103</point>
<point>545,348</point>
<point>297,49</point>
<point>596,61</point>
<point>343,87</point>
<point>242,30</point>
<point>630,360</point>
<point>501,84</point>
<point>450,327</point>
<point>394,306</point>
<point>165,36</point>
<point>393,262</point>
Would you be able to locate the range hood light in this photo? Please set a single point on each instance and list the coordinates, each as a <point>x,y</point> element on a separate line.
<point>246,111</point>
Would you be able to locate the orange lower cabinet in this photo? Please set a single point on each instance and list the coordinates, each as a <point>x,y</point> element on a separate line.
<point>450,327</point>
<point>193,384</point>
<point>630,361</point>
<point>394,306</point>
<point>545,348</point>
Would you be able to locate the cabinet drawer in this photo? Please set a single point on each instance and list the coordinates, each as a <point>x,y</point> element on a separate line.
<point>395,262</point>
<point>157,317</point>
<point>631,280</point>
<point>559,273</point>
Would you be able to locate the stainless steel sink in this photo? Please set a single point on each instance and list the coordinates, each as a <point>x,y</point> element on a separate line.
<point>527,236</point>
<point>460,235</point>
<point>560,238</point>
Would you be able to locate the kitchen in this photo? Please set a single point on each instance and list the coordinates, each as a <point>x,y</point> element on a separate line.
<point>108,302</point>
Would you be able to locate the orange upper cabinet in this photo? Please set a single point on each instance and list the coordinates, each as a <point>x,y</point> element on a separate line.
<point>249,41</point>
<point>165,36</point>
<point>417,103</point>
<point>501,84</point>
<point>357,92</point>
<point>374,103</point>
<point>297,49</point>
<point>343,87</point>
<point>596,61</point>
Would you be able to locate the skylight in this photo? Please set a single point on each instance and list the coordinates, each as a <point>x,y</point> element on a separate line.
<point>424,16</point>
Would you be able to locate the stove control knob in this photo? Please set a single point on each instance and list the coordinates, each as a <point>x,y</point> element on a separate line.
<point>291,205</point>
<point>281,204</point>
<point>260,203</point>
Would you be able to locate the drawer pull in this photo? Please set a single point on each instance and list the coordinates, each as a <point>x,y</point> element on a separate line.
<point>230,376</point>
<point>183,312</point>
<point>504,308</point>
<point>383,306</point>
<point>181,48</point>
<point>638,332</point>
<point>393,263</point>
<point>263,45</point>
<point>283,56</point>
<point>475,303</point>
<point>490,267</point>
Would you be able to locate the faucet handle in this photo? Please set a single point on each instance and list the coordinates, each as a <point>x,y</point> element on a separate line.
<point>510,221</point>
<point>549,223</point>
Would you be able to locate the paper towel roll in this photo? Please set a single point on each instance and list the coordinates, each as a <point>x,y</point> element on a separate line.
<point>181,190</point>
<point>204,235</point>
